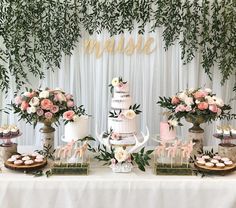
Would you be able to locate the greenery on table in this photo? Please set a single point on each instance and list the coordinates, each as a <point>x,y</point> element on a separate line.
<point>105,154</point>
<point>34,34</point>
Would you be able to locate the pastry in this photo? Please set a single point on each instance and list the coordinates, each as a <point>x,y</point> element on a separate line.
<point>201,162</point>
<point>214,161</point>
<point>25,158</point>
<point>16,156</point>
<point>29,162</point>
<point>39,157</point>
<point>11,160</point>
<point>220,165</point>
<point>224,159</point>
<point>18,162</point>
<point>217,157</point>
<point>228,163</point>
<point>206,157</point>
<point>209,164</point>
<point>38,160</point>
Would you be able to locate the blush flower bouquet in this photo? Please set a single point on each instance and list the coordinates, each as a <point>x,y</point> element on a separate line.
<point>195,105</point>
<point>42,105</point>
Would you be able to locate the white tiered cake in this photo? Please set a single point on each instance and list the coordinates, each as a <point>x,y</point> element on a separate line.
<point>122,120</point>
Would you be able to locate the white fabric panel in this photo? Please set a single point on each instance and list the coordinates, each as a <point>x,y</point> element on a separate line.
<point>104,189</point>
<point>159,74</point>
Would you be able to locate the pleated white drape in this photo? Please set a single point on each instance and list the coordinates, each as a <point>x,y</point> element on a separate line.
<point>161,73</point>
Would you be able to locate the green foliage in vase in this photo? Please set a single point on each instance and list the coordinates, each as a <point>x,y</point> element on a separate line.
<point>35,34</point>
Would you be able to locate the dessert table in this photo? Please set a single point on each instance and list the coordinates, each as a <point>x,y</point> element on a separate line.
<point>103,189</point>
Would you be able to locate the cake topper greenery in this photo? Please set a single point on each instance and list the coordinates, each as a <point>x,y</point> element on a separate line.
<point>35,34</point>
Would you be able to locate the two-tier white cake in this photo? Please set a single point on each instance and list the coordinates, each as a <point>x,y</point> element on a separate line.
<point>122,119</point>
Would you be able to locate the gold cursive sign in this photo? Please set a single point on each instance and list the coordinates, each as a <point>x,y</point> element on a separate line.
<point>120,46</point>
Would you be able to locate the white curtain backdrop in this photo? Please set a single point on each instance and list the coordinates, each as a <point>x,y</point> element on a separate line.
<point>161,73</point>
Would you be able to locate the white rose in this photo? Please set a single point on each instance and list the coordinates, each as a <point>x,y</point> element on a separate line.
<point>34,101</point>
<point>182,96</point>
<point>115,81</point>
<point>130,114</point>
<point>76,118</point>
<point>31,110</point>
<point>208,90</point>
<point>219,102</point>
<point>188,101</point>
<point>191,90</point>
<point>44,94</point>
<point>210,100</point>
<point>121,155</point>
<point>173,122</point>
<point>197,101</point>
<point>27,94</point>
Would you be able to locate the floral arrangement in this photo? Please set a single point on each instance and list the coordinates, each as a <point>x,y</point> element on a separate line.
<point>193,103</point>
<point>73,114</point>
<point>126,114</point>
<point>121,155</point>
<point>42,105</point>
<point>117,82</point>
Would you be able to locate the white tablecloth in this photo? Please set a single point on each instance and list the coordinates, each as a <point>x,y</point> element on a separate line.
<point>104,189</point>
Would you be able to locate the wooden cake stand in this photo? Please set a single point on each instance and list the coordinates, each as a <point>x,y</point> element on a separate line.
<point>35,166</point>
<point>216,170</point>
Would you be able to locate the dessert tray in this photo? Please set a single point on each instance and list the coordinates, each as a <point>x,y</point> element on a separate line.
<point>7,139</point>
<point>25,167</point>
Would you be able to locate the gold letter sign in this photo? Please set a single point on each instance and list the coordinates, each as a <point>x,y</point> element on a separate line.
<point>120,45</point>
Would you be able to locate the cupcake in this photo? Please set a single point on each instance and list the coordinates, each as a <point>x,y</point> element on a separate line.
<point>217,157</point>
<point>220,165</point>
<point>1,132</point>
<point>34,155</point>
<point>39,157</point>
<point>228,163</point>
<point>206,157</point>
<point>201,162</point>
<point>209,165</point>
<point>16,156</point>
<point>224,159</point>
<point>6,133</point>
<point>25,158</point>
<point>14,131</point>
<point>11,160</point>
<point>18,162</point>
<point>29,162</point>
<point>214,161</point>
<point>38,160</point>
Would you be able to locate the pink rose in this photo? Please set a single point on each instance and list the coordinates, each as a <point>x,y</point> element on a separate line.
<point>68,115</point>
<point>48,115</point>
<point>180,108</point>
<point>115,136</point>
<point>69,96</point>
<point>70,104</point>
<point>18,100</point>
<point>175,100</point>
<point>59,97</point>
<point>54,109</point>
<point>46,104</point>
<point>200,94</point>
<point>40,112</point>
<point>202,106</point>
<point>188,108</point>
<point>213,108</point>
<point>24,105</point>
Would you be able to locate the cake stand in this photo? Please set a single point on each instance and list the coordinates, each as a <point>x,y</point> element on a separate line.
<point>8,147</point>
<point>226,148</point>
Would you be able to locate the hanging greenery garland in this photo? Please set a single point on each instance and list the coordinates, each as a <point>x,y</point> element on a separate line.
<point>34,34</point>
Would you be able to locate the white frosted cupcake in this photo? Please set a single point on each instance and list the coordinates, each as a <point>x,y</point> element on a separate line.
<point>220,165</point>
<point>39,157</point>
<point>18,162</point>
<point>214,161</point>
<point>29,162</point>
<point>201,162</point>
<point>38,160</point>
<point>228,163</point>
<point>225,159</point>
<point>11,160</point>
<point>15,156</point>
<point>26,158</point>
<point>209,164</point>
<point>217,157</point>
<point>206,157</point>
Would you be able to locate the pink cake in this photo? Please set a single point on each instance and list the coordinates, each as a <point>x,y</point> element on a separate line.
<point>166,133</point>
